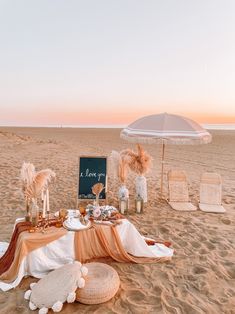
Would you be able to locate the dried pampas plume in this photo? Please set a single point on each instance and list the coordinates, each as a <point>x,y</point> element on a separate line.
<point>139,162</point>
<point>97,188</point>
<point>27,174</point>
<point>40,183</point>
<point>33,183</point>
<point>119,165</point>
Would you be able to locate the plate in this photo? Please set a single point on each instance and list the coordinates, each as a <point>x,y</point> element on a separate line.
<point>71,213</point>
<point>79,227</point>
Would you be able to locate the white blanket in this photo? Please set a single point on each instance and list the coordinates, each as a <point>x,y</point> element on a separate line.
<point>60,252</point>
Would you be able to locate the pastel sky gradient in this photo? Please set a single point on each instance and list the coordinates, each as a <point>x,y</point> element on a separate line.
<point>112,61</point>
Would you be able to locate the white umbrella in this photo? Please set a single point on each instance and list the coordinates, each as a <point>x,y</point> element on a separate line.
<point>165,129</point>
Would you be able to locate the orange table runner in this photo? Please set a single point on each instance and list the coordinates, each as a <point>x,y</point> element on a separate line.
<point>27,242</point>
<point>104,241</point>
<point>7,259</point>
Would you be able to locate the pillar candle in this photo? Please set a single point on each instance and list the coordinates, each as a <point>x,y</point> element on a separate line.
<point>138,206</point>
<point>123,207</point>
<point>47,198</point>
<point>42,195</point>
<point>44,205</point>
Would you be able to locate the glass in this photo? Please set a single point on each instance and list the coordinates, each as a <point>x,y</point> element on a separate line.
<point>82,210</point>
<point>63,213</point>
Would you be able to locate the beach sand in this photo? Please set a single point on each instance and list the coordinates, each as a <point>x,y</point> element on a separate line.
<point>201,276</point>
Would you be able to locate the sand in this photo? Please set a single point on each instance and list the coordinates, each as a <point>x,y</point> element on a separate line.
<point>201,276</point>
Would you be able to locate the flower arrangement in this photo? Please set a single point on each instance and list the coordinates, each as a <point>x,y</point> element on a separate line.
<point>99,212</point>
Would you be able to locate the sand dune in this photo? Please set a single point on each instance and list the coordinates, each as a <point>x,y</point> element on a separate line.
<point>201,276</point>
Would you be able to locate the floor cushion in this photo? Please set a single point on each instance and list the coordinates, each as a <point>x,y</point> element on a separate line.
<point>56,288</point>
<point>101,284</point>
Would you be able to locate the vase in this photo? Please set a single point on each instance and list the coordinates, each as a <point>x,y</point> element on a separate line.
<point>34,217</point>
<point>96,201</point>
<point>141,187</point>
<point>27,208</point>
<point>123,192</point>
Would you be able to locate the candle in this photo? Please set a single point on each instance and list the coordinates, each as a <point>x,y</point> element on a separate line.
<point>106,184</point>
<point>42,195</point>
<point>123,207</point>
<point>139,204</point>
<point>44,205</point>
<point>138,207</point>
<point>47,198</point>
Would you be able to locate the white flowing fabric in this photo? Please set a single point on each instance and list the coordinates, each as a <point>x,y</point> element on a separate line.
<point>60,252</point>
<point>3,248</point>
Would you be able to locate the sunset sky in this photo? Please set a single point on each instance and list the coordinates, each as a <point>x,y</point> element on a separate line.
<point>107,62</point>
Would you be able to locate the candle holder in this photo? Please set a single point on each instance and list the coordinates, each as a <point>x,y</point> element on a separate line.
<point>124,205</point>
<point>43,224</point>
<point>139,204</point>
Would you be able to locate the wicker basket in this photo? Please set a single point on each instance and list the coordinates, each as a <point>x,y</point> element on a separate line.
<point>102,283</point>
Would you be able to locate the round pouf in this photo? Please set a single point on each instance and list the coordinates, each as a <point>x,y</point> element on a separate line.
<point>102,283</point>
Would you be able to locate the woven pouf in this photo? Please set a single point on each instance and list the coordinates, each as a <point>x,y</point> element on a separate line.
<point>102,283</point>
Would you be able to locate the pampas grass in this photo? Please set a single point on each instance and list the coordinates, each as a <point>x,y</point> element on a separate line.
<point>139,162</point>
<point>127,159</point>
<point>27,174</point>
<point>40,183</point>
<point>33,183</point>
<point>123,170</point>
<point>97,188</point>
<point>119,165</point>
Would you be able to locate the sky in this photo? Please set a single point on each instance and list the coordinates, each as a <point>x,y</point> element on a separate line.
<point>110,62</point>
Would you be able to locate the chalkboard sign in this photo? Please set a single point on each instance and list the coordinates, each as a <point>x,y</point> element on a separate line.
<point>91,170</point>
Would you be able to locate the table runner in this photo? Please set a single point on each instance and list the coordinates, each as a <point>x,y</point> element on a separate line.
<point>26,243</point>
<point>104,241</point>
<point>7,259</point>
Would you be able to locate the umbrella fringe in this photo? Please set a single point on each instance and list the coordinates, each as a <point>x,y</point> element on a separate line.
<point>168,141</point>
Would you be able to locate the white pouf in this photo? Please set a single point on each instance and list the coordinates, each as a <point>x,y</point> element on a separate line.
<point>56,288</point>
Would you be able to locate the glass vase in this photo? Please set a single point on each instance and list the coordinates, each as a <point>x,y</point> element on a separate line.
<point>34,217</point>
<point>28,211</point>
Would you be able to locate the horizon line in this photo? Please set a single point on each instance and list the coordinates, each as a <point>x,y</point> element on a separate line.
<point>210,126</point>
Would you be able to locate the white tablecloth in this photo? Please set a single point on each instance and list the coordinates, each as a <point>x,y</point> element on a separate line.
<point>60,252</point>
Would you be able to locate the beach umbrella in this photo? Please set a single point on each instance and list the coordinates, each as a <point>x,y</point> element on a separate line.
<point>165,129</point>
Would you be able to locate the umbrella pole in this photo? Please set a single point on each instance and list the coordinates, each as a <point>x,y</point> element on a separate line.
<point>162,171</point>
